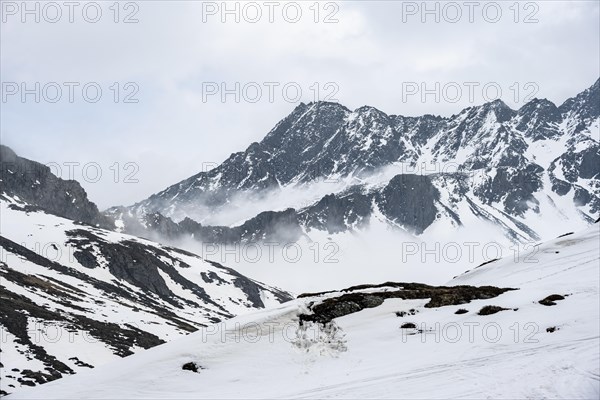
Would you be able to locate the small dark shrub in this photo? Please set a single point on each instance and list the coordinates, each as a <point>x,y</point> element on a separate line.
<point>488,310</point>
<point>191,366</point>
<point>551,329</point>
<point>408,325</point>
<point>412,311</point>
<point>461,311</point>
<point>550,300</point>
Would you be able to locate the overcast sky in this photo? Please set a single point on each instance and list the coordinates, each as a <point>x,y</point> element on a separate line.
<point>178,54</point>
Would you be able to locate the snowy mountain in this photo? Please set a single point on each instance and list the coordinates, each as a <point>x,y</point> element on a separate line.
<point>76,296</point>
<point>325,167</point>
<point>534,333</point>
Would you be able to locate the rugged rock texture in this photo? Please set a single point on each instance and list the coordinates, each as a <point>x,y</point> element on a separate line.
<point>513,187</point>
<point>336,212</point>
<point>35,184</point>
<point>409,200</point>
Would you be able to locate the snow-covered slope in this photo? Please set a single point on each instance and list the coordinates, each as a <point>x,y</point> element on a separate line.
<point>527,350</point>
<point>75,296</point>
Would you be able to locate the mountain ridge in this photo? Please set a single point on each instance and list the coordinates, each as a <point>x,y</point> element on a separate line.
<point>498,144</point>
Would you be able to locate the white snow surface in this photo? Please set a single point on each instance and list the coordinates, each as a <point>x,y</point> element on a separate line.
<point>509,354</point>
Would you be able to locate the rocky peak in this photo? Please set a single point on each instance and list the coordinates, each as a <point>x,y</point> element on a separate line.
<point>538,118</point>
<point>586,104</point>
<point>35,184</point>
<point>501,111</point>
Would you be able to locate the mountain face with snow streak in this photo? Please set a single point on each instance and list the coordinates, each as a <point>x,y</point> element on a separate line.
<point>514,168</point>
<point>75,296</point>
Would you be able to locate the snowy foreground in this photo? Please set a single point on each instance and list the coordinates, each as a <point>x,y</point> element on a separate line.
<point>509,354</point>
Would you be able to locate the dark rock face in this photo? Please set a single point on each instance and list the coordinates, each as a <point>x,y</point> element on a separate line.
<point>586,104</point>
<point>270,225</point>
<point>583,164</point>
<point>587,163</point>
<point>34,183</point>
<point>559,186</point>
<point>469,127</point>
<point>574,165</point>
<point>251,289</point>
<point>538,119</point>
<point>139,265</point>
<point>299,141</point>
<point>515,187</point>
<point>156,222</point>
<point>337,212</point>
<point>275,226</point>
<point>409,200</point>
<point>419,129</point>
